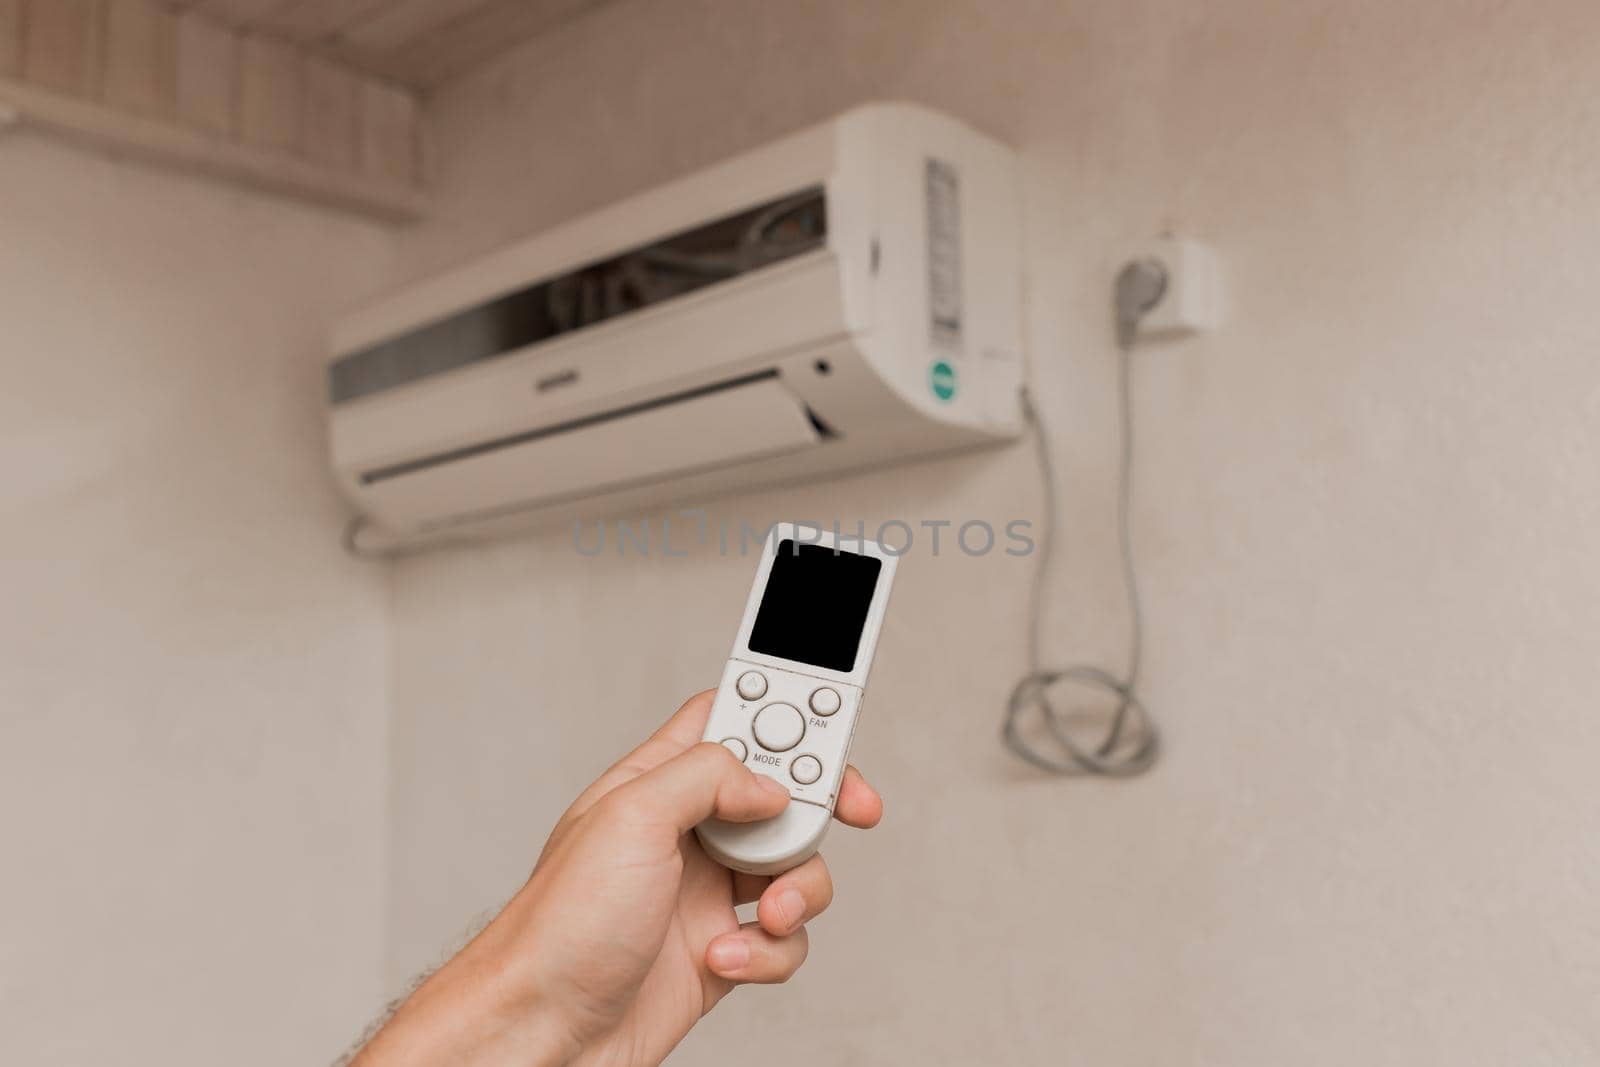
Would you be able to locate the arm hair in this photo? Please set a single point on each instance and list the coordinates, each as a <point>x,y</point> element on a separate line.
<point>382,1020</point>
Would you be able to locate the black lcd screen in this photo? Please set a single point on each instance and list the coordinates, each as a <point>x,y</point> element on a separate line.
<point>815,605</point>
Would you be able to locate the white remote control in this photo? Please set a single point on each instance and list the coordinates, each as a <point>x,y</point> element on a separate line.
<point>792,689</point>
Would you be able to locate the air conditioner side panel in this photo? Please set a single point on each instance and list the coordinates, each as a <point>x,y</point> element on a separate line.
<point>969,250</point>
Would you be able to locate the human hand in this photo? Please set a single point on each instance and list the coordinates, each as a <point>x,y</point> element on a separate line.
<point>625,934</point>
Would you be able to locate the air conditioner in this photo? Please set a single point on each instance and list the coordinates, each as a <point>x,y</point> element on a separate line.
<point>845,297</point>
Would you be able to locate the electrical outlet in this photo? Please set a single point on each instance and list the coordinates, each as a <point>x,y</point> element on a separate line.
<point>1192,300</point>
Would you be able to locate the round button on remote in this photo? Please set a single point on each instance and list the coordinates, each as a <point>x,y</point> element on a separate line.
<point>779,727</point>
<point>806,769</point>
<point>752,685</point>
<point>736,746</point>
<point>825,702</point>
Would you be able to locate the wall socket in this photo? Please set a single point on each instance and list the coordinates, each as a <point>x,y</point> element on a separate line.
<point>1193,299</point>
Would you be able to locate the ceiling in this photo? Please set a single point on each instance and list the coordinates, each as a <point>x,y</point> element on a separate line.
<point>419,43</point>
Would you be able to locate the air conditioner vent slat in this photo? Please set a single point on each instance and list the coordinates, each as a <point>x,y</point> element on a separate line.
<point>411,466</point>
<point>735,421</point>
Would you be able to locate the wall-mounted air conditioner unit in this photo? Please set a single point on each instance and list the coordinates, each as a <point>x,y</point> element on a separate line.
<point>845,297</point>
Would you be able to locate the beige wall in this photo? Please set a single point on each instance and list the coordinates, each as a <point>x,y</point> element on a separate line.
<point>192,703</point>
<point>1366,515</point>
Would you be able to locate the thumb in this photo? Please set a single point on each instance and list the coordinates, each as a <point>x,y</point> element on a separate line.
<point>705,781</point>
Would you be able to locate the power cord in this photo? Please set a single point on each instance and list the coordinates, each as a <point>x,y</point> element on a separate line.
<point>1131,742</point>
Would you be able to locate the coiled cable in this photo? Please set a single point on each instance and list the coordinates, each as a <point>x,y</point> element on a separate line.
<point>1130,743</point>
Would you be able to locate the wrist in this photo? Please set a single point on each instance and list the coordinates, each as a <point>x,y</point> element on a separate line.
<point>475,1011</point>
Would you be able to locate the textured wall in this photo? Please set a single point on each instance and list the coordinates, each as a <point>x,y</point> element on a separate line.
<point>192,704</point>
<point>1366,514</point>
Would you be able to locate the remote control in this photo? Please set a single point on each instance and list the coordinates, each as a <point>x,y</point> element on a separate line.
<point>792,690</point>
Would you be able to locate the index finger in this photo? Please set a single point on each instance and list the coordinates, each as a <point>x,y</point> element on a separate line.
<point>694,786</point>
<point>674,737</point>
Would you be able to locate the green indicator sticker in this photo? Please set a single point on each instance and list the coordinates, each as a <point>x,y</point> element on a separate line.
<point>942,376</point>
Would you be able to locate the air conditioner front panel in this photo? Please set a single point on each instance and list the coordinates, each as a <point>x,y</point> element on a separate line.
<point>724,427</point>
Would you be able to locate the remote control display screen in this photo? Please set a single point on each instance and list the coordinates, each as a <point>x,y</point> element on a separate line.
<point>815,605</point>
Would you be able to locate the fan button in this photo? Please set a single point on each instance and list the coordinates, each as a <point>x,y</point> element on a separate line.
<point>825,702</point>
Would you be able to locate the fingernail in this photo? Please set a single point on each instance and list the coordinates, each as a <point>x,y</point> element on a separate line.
<point>791,907</point>
<point>772,785</point>
<point>729,954</point>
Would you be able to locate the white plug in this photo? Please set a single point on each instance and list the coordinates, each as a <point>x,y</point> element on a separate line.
<point>1191,300</point>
